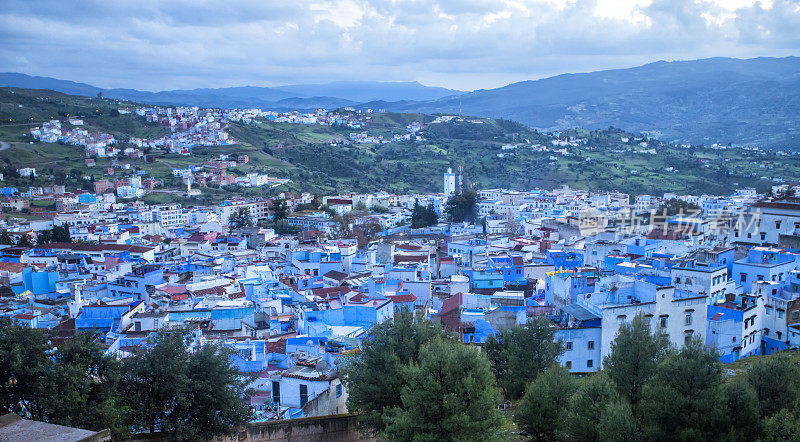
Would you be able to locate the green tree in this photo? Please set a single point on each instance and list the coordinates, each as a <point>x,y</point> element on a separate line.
<point>545,400</point>
<point>519,354</point>
<point>423,216</point>
<point>24,240</point>
<point>360,207</point>
<point>461,206</point>
<point>81,388</point>
<point>776,381</point>
<point>783,426</point>
<point>281,211</point>
<point>586,407</point>
<point>188,396</point>
<point>61,233</point>
<point>24,365</point>
<point>450,395</point>
<point>215,401</point>
<point>617,423</point>
<point>634,355</point>
<point>741,407</point>
<point>374,377</point>
<point>684,397</point>
<point>44,237</point>
<point>240,218</point>
<point>5,238</point>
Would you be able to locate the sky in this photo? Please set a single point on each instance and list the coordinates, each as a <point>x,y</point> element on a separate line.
<point>459,44</point>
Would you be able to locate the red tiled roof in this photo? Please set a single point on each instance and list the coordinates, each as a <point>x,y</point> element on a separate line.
<point>404,298</point>
<point>451,303</point>
<point>331,292</point>
<point>95,247</point>
<point>174,289</point>
<point>278,346</point>
<point>410,258</point>
<point>24,316</point>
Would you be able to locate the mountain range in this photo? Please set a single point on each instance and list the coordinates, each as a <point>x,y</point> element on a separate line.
<point>715,100</point>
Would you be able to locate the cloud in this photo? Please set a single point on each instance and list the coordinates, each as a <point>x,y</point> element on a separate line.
<point>149,44</point>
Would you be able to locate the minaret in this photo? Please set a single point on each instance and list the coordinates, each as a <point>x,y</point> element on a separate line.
<point>449,183</point>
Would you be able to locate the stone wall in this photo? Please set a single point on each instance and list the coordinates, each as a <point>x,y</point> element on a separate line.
<point>336,428</point>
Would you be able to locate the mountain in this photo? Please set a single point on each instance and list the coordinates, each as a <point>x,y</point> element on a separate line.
<point>361,91</point>
<point>715,100</point>
<point>32,82</point>
<point>300,96</point>
<point>701,101</point>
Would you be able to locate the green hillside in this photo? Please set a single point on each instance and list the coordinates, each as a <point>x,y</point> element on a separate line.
<point>316,160</point>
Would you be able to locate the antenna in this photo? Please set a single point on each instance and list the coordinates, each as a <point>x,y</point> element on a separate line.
<point>321,365</point>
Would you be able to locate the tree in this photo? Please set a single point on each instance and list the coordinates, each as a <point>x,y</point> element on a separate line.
<point>783,426</point>
<point>517,355</point>
<point>215,402</point>
<point>374,377</point>
<point>776,382</point>
<point>5,238</point>
<point>24,241</point>
<point>545,400</point>
<point>586,407</point>
<point>240,218</point>
<point>617,423</point>
<point>423,216</point>
<point>683,398</point>
<point>187,396</point>
<point>449,395</point>
<point>81,388</point>
<point>281,211</point>
<point>634,356</point>
<point>741,406</point>
<point>461,206</point>
<point>360,206</point>
<point>24,364</point>
<point>44,237</point>
<point>61,233</point>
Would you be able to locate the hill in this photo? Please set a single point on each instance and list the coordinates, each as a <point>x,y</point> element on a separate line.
<point>300,96</point>
<point>321,159</point>
<point>725,100</point>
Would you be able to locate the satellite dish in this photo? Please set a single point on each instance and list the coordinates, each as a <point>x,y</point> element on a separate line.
<point>321,366</point>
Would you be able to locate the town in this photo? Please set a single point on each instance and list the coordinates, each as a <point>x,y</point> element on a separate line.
<point>294,283</point>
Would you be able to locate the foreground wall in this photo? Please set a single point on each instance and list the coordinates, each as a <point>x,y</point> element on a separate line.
<point>337,428</point>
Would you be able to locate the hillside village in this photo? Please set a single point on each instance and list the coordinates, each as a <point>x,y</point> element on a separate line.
<point>728,273</point>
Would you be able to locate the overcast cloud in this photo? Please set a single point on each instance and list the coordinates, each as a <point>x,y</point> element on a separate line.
<point>464,44</point>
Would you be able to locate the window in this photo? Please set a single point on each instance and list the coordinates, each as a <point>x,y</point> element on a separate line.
<point>688,317</point>
<point>621,319</point>
<point>763,236</point>
<point>780,314</point>
<point>303,394</point>
<point>663,321</point>
<point>276,392</point>
<point>589,363</point>
<point>568,365</point>
<point>338,390</point>
<point>777,224</point>
<point>569,345</point>
<point>677,280</point>
<point>687,336</point>
<point>778,334</point>
<point>766,332</point>
<point>768,310</point>
<point>590,345</point>
<point>742,277</point>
